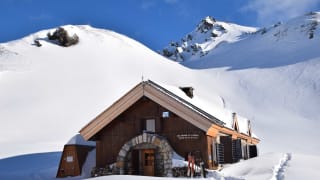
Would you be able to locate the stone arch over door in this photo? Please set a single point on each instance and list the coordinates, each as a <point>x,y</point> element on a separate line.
<point>164,149</point>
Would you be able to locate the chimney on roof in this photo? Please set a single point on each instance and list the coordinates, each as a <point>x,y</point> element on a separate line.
<point>188,91</point>
<point>234,116</point>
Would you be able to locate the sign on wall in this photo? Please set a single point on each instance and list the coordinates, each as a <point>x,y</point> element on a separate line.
<point>187,136</point>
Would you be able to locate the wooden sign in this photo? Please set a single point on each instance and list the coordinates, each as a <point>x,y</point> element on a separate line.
<point>187,136</point>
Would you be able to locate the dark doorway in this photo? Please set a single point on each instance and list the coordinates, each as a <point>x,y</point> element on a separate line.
<point>227,144</point>
<point>135,159</point>
<point>143,162</point>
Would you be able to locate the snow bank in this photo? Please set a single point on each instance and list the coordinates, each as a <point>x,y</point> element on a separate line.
<point>30,167</point>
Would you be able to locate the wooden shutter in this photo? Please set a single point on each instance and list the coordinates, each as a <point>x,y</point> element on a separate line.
<point>227,144</point>
<point>219,153</point>
<point>253,152</point>
<point>236,150</point>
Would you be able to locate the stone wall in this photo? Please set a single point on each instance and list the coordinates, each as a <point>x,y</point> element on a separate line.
<point>163,153</point>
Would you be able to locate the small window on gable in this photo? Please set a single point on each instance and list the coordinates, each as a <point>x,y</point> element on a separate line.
<point>150,125</point>
<point>165,114</point>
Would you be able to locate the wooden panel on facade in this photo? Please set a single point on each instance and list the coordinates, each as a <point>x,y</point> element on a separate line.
<point>72,159</point>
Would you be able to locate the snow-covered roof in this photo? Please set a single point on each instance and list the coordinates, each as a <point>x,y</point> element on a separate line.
<point>194,103</point>
<point>208,109</point>
<point>78,140</point>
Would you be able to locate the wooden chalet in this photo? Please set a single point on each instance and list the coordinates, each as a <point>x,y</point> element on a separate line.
<point>140,132</point>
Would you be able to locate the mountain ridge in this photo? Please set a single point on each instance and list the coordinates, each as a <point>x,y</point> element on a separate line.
<point>303,28</point>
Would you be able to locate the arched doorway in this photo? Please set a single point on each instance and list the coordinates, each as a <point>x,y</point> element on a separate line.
<point>146,154</point>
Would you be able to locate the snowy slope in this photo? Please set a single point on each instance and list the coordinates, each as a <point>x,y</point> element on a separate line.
<point>31,166</point>
<point>49,93</point>
<point>280,45</point>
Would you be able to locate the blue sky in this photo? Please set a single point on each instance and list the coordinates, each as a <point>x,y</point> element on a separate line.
<point>153,22</point>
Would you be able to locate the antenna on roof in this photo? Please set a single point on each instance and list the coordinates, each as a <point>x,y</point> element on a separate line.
<point>142,82</point>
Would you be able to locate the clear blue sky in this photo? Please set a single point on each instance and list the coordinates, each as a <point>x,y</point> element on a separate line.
<point>153,22</point>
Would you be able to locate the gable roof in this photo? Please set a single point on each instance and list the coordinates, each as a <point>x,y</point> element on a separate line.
<point>193,110</point>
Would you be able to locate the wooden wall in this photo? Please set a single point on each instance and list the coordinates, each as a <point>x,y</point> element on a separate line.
<point>78,153</point>
<point>130,124</point>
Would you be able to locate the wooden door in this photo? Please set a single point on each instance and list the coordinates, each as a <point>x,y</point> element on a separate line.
<point>148,162</point>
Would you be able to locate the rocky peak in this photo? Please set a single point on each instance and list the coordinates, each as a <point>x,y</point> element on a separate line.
<point>206,24</point>
<point>207,35</point>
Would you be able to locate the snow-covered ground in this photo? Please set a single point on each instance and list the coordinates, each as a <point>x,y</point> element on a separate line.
<point>49,93</point>
<point>270,166</point>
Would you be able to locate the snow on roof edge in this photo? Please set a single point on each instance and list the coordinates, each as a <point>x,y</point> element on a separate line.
<point>224,116</point>
<point>79,140</point>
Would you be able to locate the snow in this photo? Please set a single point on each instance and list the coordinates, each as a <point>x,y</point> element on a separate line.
<point>265,167</point>
<point>214,108</point>
<point>49,93</point>
<point>208,35</point>
<point>89,163</point>
<point>278,171</point>
<point>61,89</point>
<point>302,166</point>
<point>78,140</point>
<point>30,167</point>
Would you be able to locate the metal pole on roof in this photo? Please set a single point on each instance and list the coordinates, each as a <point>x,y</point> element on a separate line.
<point>142,81</point>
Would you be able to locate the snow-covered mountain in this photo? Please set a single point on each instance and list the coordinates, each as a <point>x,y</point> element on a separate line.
<point>217,38</point>
<point>273,77</point>
<point>270,76</point>
<point>208,35</point>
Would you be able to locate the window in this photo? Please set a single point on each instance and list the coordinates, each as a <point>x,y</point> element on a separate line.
<point>165,114</point>
<point>150,125</point>
<point>69,159</point>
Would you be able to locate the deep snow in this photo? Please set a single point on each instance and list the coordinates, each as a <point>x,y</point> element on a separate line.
<point>265,167</point>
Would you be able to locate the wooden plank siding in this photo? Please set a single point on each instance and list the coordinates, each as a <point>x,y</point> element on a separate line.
<point>129,123</point>
<point>112,112</point>
<point>78,153</point>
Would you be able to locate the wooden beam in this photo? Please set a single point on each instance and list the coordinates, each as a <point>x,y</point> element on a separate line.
<point>215,129</point>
